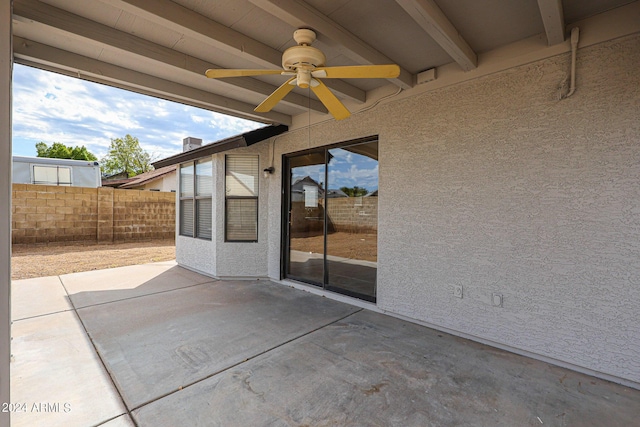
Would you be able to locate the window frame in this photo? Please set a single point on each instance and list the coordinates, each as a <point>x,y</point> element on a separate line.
<point>227,198</point>
<point>194,198</point>
<point>57,182</point>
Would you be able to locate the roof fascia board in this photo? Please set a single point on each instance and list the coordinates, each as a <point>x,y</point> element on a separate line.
<point>300,14</point>
<point>433,21</point>
<point>38,55</point>
<point>185,21</point>
<point>65,21</point>
<point>243,140</point>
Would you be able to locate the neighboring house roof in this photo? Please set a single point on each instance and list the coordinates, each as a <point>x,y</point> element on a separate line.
<point>115,183</point>
<point>115,180</point>
<point>243,140</point>
<point>331,193</point>
<point>147,177</point>
<point>116,176</point>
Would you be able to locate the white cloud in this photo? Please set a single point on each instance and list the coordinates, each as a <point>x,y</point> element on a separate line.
<point>51,107</point>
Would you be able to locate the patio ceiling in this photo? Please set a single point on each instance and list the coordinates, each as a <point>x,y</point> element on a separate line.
<point>163,47</point>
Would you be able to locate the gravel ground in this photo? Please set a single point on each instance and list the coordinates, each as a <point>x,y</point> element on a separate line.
<point>30,261</point>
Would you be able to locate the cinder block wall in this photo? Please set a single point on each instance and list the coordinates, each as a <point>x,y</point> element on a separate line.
<point>139,214</point>
<point>43,214</point>
<point>353,214</point>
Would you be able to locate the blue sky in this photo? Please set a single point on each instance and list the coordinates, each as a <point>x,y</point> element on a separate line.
<point>346,169</point>
<point>50,107</point>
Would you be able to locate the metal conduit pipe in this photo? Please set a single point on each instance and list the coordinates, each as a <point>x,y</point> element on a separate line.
<point>575,35</point>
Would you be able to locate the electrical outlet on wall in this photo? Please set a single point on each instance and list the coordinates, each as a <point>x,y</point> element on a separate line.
<point>457,291</point>
<point>496,299</point>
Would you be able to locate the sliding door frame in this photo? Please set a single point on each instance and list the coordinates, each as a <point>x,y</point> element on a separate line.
<point>285,239</point>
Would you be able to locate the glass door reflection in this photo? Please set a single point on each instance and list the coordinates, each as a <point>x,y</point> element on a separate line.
<point>352,220</point>
<point>306,218</point>
<point>331,230</point>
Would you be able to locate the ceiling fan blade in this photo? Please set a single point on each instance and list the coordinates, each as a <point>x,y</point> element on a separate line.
<point>333,104</point>
<point>358,72</point>
<point>277,95</point>
<point>221,73</point>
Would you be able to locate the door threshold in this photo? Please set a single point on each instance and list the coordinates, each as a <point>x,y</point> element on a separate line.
<point>329,294</point>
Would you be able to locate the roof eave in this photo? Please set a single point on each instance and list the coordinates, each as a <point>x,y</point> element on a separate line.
<point>243,140</point>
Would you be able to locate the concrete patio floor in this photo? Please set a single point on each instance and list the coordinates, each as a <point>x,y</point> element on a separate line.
<point>158,345</point>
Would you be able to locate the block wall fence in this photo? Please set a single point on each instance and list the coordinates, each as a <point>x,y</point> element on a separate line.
<point>46,214</point>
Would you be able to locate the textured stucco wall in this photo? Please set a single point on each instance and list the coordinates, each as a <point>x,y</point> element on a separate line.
<point>198,254</point>
<point>243,259</point>
<point>503,188</point>
<point>230,259</point>
<point>531,197</point>
<point>496,185</point>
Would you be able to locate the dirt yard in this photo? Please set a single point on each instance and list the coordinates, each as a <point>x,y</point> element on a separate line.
<point>30,261</point>
<point>355,246</point>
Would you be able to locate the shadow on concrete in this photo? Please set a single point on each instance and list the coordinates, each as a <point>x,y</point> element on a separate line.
<point>184,349</point>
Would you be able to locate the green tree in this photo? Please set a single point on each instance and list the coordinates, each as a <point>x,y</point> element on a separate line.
<point>354,191</point>
<point>126,155</point>
<point>61,151</point>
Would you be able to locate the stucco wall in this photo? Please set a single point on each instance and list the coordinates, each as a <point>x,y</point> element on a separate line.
<point>530,197</point>
<point>230,259</point>
<point>166,183</point>
<point>497,185</point>
<point>243,259</point>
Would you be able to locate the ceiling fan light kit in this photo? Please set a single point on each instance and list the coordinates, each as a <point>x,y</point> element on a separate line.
<point>305,65</point>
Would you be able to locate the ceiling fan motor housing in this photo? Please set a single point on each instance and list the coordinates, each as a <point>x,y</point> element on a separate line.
<point>302,60</point>
<point>302,56</point>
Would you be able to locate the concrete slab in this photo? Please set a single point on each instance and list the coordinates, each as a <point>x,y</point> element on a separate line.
<point>98,287</point>
<point>56,375</point>
<point>157,343</point>
<point>371,369</point>
<point>36,297</point>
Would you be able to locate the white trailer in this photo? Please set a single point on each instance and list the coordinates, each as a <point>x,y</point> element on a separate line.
<point>46,171</point>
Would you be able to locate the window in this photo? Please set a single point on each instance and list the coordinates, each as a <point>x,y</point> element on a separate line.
<point>52,175</point>
<point>196,189</point>
<point>241,199</point>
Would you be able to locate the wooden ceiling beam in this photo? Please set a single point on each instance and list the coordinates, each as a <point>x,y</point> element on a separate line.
<point>300,14</point>
<point>553,20</point>
<point>198,27</point>
<point>434,22</point>
<point>111,38</point>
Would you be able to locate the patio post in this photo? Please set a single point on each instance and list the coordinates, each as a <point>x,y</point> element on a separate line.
<point>6,65</point>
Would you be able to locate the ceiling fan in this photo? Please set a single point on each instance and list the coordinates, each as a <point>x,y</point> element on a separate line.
<point>305,67</point>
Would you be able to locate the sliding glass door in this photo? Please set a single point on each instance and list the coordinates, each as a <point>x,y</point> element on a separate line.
<point>306,218</point>
<point>332,218</point>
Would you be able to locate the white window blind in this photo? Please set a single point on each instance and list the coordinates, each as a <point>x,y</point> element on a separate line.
<point>186,180</point>
<point>242,176</point>
<point>204,178</point>
<point>186,217</point>
<point>196,190</point>
<point>242,219</point>
<point>241,213</point>
<point>205,220</point>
